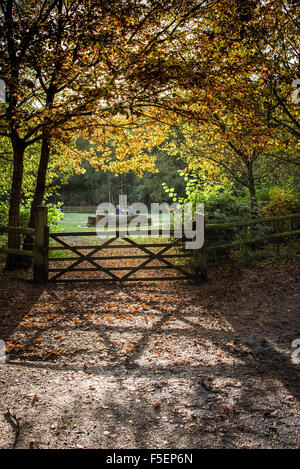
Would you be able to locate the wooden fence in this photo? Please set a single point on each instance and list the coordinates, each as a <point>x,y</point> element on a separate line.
<point>40,252</point>
<point>79,208</point>
<point>246,240</point>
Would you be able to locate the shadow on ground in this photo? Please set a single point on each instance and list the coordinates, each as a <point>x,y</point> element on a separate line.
<point>163,365</point>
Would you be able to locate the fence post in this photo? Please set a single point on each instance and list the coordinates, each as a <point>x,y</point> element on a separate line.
<point>246,249</point>
<point>277,230</point>
<point>40,267</point>
<point>200,262</point>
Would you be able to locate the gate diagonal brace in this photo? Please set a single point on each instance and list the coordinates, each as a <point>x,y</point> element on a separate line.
<point>84,257</point>
<point>152,256</point>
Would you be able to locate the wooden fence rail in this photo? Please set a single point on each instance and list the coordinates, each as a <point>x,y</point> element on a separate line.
<point>258,240</point>
<point>79,208</point>
<point>17,230</point>
<point>248,222</point>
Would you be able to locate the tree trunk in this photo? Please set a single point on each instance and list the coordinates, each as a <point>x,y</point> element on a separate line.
<point>253,197</point>
<point>13,261</point>
<point>252,190</point>
<point>38,194</point>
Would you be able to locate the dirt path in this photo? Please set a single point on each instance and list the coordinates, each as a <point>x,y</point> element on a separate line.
<point>160,365</point>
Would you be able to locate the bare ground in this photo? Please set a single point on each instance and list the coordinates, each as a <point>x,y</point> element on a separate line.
<point>158,365</point>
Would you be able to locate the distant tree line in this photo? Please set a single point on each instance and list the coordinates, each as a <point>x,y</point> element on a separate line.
<point>95,185</point>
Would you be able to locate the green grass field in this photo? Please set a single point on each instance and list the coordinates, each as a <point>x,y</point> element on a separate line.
<point>78,221</point>
<point>75,222</point>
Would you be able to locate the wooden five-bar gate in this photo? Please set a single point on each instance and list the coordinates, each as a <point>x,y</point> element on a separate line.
<point>118,258</point>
